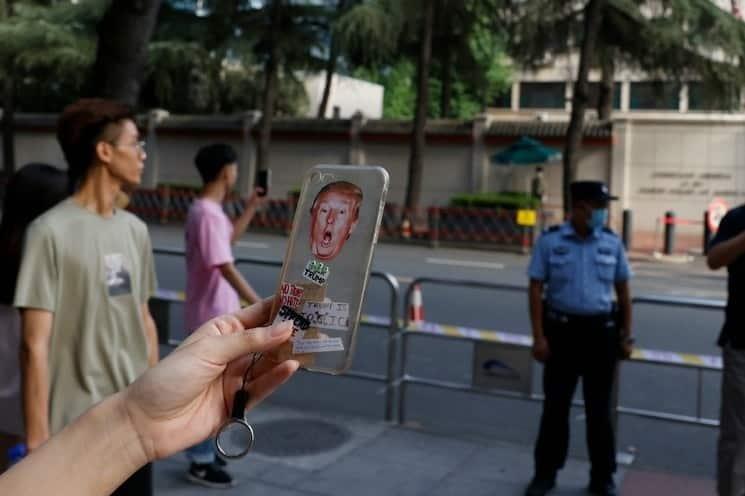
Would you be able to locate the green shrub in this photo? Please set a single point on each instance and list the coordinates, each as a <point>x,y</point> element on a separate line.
<point>512,200</point>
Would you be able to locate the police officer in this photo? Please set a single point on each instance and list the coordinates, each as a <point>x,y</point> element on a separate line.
<point>577,334</point>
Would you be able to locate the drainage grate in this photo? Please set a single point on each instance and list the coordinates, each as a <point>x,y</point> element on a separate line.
<point>298,437</point>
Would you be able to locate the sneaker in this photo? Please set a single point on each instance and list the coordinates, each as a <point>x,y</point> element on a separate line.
<point>220,462</point>
<point>540,486</point>
<point>209,475</point>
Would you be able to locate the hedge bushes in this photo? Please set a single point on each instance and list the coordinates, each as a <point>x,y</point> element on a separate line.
<point>512,200</point>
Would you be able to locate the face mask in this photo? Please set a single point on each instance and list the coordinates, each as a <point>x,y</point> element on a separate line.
<point>598,218</point>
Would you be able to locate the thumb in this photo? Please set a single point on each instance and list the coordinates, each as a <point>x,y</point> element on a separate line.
<point>223,349</point>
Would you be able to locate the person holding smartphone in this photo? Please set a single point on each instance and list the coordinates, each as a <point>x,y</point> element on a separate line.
<point>214,286</point>
<point>180,401</point>
<point>727,249</point>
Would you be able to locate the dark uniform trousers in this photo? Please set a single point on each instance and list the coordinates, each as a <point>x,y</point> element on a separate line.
<point>586,347</point>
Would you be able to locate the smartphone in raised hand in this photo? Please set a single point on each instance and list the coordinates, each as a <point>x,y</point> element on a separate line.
<point>327,264</point>
<point>264,180</point>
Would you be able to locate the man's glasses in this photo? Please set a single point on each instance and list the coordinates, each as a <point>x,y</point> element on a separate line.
<point>139,145</point>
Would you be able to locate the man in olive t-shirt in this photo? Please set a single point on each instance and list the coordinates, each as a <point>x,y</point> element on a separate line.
<point>86,276</point>
<point>94,274</point>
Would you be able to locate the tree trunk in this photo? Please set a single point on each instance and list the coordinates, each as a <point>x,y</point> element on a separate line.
<point>331,63</point>
<point>605,95</point>
<point>593,20</point>
<point>7,125</point>
<point>414,184</point>
<point>270,92</point>
<point>123,36</point>
<point>446,79</point>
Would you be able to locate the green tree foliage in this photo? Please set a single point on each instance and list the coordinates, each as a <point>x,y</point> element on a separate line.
<point>48,50</point>
<point>679,40</point>
<point>468,48</point>
<point>397,80</point>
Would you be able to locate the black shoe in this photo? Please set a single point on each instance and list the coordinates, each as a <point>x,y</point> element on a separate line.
<point>540,486</point>
<point>602,488</point>
<point>209,475</point>
<point>220,462</point>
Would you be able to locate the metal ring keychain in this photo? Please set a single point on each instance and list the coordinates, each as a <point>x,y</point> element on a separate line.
<point>235,438</point>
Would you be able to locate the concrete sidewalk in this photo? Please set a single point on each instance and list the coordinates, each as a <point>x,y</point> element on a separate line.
<point>299,453</point>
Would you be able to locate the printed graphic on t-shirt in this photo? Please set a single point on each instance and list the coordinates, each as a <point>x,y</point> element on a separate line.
<point>117,277</point>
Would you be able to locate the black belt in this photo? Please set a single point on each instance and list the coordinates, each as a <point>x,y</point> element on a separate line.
<point>605,319</point>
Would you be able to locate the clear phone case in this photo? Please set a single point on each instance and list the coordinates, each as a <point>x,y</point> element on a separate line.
<point>327,263</point>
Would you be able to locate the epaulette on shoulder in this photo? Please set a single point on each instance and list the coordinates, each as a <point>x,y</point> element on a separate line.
<point>608,230</point>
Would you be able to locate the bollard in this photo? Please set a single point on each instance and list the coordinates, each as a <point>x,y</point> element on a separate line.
<point>669,245</point>
<point>434,227</point>
<point>707,233</point>
<point>626,229</point>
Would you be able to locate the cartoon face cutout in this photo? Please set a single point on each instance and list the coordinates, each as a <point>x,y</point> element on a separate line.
<point>334,215</point>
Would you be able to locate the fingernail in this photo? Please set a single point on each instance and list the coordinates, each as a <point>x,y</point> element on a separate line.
<point>281,329</point>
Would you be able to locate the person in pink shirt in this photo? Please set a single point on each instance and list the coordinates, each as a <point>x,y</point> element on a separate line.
<point>214,286</point>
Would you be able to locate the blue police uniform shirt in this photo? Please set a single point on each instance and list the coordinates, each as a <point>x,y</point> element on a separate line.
<point>579,274</point>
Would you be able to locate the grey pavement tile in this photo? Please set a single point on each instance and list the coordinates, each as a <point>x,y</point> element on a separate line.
<point>282,473</point>
<point>363,476</point>
<point>170,479</point>
<point>248,467</point>
<point>458,486</point>
<point>248,487</point>
<point>418,449</point>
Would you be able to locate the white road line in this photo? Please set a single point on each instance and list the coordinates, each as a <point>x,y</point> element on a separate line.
<point>465,263</point>
<point>253,244</point>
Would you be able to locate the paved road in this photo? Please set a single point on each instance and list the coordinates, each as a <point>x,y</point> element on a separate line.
<point>658,445</point>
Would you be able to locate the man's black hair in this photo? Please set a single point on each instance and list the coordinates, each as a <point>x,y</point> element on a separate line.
<point>211,159</point>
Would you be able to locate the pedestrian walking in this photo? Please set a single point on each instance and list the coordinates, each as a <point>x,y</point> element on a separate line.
<point>86,275</point>
<point>214,286</point>
<point>30,191</point>
<point>576,333</point>
<point>727,249</point>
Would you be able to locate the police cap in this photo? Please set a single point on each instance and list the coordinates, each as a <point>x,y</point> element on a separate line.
<point>590,191</point>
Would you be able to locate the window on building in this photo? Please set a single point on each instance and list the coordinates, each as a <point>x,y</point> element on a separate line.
<point>654,95</point>
<point>503,99</point>
<point>703,98</point>
<point>542,95</point>
<point>594,95</point>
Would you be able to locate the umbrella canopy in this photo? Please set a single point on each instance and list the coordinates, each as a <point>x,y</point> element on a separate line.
<point>526,151</point>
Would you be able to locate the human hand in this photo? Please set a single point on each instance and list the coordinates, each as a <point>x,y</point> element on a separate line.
<point>541,350</point>
<point>257,198</point>
<point>187,396</point>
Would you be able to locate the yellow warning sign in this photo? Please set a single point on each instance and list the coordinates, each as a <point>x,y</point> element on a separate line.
<point>526,217</point>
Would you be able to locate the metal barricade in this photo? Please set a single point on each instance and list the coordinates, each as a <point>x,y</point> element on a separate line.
<point>390,323</point>
<point>431,331</point>
<point>701,363</point>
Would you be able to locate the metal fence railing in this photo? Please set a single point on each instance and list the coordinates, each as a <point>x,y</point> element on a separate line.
<point>398,376</point>
<point>699,363</point>
<point>390,323</point>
